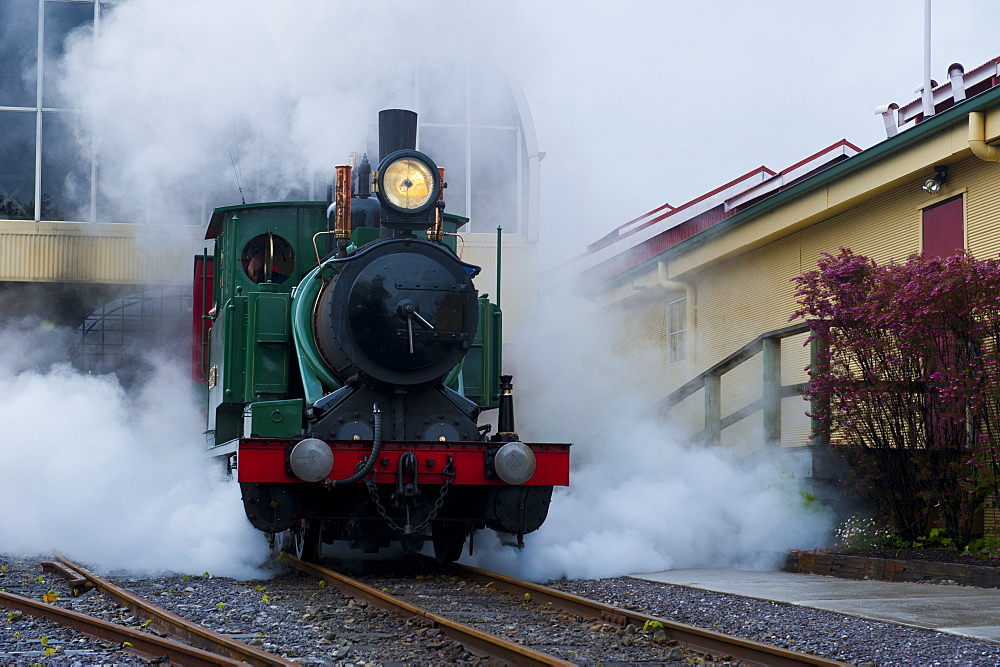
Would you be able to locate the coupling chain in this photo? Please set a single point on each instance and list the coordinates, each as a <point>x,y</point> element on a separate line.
<point>449,475</point>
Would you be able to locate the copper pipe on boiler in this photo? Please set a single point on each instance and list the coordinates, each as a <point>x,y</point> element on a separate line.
<point>342,214</point>
<point>436,233</point>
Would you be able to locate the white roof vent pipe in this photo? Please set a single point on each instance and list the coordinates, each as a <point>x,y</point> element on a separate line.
<point>928,99</point>
<point>888,113</point>
<point>957,75</point>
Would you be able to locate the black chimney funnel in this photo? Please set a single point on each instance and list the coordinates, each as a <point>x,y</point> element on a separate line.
<point>397,130</point>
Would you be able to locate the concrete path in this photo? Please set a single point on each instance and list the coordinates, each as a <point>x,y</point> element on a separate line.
<point>960,610</point>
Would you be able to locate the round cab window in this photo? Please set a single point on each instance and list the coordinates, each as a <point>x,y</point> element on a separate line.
<point>268,258</point>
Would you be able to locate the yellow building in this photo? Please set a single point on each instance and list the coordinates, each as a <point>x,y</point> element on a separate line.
<point>703,281</point>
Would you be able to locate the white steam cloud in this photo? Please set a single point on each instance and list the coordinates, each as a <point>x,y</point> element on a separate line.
<point>173,93</point>
<point>639,500</point>
<point>112,478</point>
<point>183,99</point>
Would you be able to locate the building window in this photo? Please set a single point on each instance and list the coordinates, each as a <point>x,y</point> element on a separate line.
<point>943,228</point>
<point>118,336</point>
<point>677,330</point>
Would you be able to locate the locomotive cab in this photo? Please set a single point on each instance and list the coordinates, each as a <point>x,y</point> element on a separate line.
<point>346,385</point>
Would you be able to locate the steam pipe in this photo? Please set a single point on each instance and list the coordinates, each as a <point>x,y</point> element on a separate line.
<point>436,233</point>
<point>376,448</point>
<point>977,138</point>
<point>342,213</point>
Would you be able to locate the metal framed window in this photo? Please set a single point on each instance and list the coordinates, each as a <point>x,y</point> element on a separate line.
<point>476,125</point>
<point>119,336</point>
<point>44,178</point>
<point>677,330</point>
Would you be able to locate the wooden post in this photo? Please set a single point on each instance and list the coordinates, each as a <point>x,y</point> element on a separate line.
<point>772,391</point>
<point>713,410</point>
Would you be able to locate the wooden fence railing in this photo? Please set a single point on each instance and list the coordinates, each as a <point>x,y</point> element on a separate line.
<point>772,391</point>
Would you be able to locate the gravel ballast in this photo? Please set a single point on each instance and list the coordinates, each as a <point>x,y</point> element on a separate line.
<point>294,616</point>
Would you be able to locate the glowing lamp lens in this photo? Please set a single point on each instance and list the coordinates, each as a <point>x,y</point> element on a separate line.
<point>408,183</point>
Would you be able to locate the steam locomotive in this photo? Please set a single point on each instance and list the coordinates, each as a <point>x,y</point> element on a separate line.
<point>349,357</point>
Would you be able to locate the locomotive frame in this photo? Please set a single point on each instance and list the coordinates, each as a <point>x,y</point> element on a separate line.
<point>313,355</point>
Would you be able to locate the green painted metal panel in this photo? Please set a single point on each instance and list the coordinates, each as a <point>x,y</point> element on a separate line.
<point>267,343</point>
<point>481,368</point>
<point>271,318</point>
<point>276,419</point>
<point>232,371</point>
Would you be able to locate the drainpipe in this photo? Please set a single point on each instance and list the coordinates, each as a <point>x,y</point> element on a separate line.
<point>977,138</point>
<point>662,277</point>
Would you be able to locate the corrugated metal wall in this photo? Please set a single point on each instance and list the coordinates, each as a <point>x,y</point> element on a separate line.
<point>519,276</point>
<point>740,298</point>
<point>98,253</point>
<point>982,205</point>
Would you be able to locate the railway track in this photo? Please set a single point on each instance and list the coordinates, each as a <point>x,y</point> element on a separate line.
<point>541,607</point>
<point>200,646</point>
<point>480,610</point>
<point>696,639</point>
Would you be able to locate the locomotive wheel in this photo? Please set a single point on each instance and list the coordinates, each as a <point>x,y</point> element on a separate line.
<point>448,540</point>
<point>305,540</point>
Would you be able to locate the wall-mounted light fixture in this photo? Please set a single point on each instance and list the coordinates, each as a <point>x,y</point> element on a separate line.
<point>933,184</point>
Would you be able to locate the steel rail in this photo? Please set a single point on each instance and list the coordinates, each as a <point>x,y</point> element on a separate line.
<point>697,639</point>
<point>474,639</point>
<point>166,621</point>
<point>146,645</point>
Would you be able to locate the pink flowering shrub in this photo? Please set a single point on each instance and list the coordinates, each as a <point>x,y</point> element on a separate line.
<point>907,381</point>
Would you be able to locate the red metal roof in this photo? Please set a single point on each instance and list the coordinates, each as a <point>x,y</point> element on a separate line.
<point>650,234</point>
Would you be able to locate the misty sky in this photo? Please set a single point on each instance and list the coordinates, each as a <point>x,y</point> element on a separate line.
<point>638,103</point>
<point>635,103</point>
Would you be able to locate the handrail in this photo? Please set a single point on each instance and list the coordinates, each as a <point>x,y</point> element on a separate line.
<point>746,352</point>
<point>770,402</point>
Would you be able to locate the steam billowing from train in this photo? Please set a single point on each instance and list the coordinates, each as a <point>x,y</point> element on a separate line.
<point>167,125</point>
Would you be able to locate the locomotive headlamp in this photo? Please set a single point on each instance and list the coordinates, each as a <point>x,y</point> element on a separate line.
<point>514,463</point>
<point>408,185</point>
<point>311,460</point>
